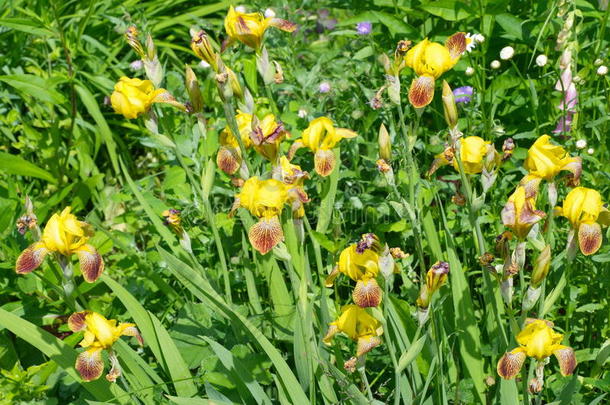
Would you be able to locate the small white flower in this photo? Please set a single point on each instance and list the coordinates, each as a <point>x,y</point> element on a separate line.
<point>136,65</point>
<point>541,60</point>
<point>470,42</point>
<point>602,70</point>
<point>324,87</point>
<point>577,79</point>
<point>204,64</point>
<point>598,62</point>
<point>507,52</point>
<point>495,64</point>
<point>590,151</point>
<point>479,38</point>
<point>302,113</point>
<point>240,9</point>
<point>269,13</point>
<point>469,71</point>
<point>581,144</point>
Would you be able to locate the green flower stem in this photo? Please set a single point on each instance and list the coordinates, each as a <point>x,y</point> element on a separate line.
<point>549,239</point>
<point>209,215</point>
<point>474,223</point>
<point>365,381</point>
<point>413,177</point>
<point>67,282</point>
<point>272,104</point>
<point>390,343</point>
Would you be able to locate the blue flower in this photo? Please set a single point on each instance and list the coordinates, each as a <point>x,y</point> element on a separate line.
<point>463,94</point>
<point>364,28</point>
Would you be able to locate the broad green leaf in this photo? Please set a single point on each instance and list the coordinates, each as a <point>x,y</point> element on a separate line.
<point>511,25</point>
<point>449,10</point>
<point>407,357</point>
<point>238,370</point>
<point>34,86</point>
<point>26,25</point>
<point>13,164</point>
<point>189,16</point>
<point>104,130</point>
<point>251,74</point>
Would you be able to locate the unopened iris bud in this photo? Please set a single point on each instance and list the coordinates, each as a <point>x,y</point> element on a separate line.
<point>192,86</point>
<point>449,106</point>
<point>278,77</point>
<point>131,35</point>
<point>541,266</point>
<point>201,45</point>
<point>385,144</point>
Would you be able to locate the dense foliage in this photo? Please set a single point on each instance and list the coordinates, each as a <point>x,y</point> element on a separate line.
<point>327,202</point>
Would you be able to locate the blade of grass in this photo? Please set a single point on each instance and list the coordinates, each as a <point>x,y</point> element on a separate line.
<point>241,377</point>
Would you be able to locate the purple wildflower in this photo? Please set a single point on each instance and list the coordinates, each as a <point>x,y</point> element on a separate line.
<point>463,94</point>
<point>364,27</point>
<point>324,87</point>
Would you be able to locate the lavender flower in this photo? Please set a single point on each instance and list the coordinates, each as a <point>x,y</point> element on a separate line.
<point>324,87</point>
<point>463,94</point>
<point>364,28</point>
<point>325,21</point>
<point>136,65</point>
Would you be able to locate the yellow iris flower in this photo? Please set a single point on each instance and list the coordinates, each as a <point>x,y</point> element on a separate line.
<point>132,97</point>
<point>249,28</point>
<point>430,60</point>
<point>66,235</point>
<point>435,279</point>
<point>520,213</point>
<point>539,341</point>
<point>321,136</point>
<point>361,262</point>
<point>100,334</point>
<point>584,208</point>
<point>359,326</point>
<point>264,136</point>
<point>293,177</point>
<point>545,160</point>
<point>265,200</point>
<point>475,153</point>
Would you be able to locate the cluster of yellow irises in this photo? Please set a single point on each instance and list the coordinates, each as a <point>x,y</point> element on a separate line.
<point>363,262</point>
<point>64,235</point>
<point>265,196</point>
<point>582,206</point>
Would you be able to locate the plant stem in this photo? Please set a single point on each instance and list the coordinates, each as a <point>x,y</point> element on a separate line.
<point>365,381</point>
<point>413,178</point>
<point>474,223</point>
<point>67,282</point>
